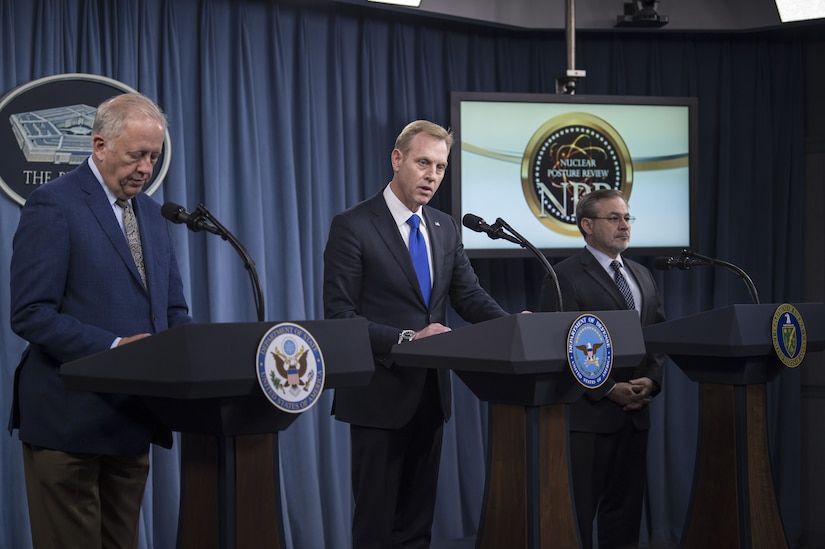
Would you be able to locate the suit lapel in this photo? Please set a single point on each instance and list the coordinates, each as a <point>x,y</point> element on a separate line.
<point>436,235</point>
<point>644,288</point>
<point>597,272</point>
<point>387,230</point>
<point>99,205</point>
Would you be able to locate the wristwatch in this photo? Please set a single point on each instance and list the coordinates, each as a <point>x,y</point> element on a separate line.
<point>406,335</point>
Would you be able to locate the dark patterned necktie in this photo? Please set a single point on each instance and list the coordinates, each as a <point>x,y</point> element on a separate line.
<point>133,237</point>
<point>420,258</point>
<point>624,288</point>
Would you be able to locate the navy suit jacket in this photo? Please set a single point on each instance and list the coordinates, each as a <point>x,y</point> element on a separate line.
<point>74,289</point>
<point>368,272</point>
<point>586,286</point>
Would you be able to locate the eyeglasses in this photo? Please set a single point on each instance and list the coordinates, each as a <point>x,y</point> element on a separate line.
<point>616,219</point>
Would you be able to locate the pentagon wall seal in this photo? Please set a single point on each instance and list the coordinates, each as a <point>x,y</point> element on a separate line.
<point>290,368</point>
<point>788,335</point>
<point>590,351</point>
<point>46,131</point>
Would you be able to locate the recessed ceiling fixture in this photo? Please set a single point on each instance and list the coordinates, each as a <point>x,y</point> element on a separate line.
<point>409,3</point>
<point>800,10</point>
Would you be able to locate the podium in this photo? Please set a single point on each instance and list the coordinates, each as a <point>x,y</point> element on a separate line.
<point>201,380</point>
<point>519,365</point>
<point>729,352</point>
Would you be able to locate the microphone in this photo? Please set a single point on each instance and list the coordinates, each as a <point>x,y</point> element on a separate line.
<point>692,259</point>
<point>178,214</point>
<point>203,220</point>
<point>475,223</point>
<point>495,231</point>
<point>684,263</point>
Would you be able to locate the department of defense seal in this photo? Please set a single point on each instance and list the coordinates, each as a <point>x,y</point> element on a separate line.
<point>290,368</point>
<point>788,335</point>
<point>589,351</point>
<point>569,156</point>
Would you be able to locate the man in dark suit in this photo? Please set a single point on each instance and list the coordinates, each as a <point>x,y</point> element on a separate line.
<point>397,419</point>
<point>609,425</point>
<point>78,288</point>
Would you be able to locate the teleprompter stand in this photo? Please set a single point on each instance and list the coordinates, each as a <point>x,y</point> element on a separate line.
<point>200,379</point>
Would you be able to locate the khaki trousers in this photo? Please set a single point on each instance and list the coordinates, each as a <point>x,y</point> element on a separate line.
<point>83,500</point>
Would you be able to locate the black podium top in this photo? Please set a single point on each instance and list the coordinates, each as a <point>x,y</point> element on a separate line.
<point>202,378</point>
<point>733,344</point>
<point>521,358</point>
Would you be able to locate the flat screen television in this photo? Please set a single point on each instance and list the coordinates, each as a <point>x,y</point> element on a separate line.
<point>527,158</point>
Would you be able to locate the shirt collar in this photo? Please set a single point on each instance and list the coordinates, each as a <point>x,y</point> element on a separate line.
<point>399,211</point>
<point>109,194</point>
<point>604,259</point>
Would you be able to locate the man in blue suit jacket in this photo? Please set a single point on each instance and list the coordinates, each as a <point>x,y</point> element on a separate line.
<point>397,419</point>
<point>76,290</point>
<point>609,426</point>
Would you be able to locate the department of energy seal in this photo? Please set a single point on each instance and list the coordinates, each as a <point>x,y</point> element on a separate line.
<point>788,334</point>
<point>569,156</point>
<point>290,368</point>
<point>589,351</point>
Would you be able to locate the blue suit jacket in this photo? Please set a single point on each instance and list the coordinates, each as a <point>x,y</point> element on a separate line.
<point>368,272</point>
<point>74,289</point>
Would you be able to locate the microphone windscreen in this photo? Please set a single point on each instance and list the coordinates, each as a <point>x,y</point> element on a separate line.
<point>472,222</point>
<point>172,211</point>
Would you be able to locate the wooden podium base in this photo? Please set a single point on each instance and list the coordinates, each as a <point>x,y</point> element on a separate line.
<point>528,502</point>
<point>733,503</point>
<point>230,492</point>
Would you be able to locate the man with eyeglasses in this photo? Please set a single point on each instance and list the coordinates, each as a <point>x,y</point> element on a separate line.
<point>609,425</point>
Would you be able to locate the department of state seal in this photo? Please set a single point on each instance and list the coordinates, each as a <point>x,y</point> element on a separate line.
<point>290,368</point>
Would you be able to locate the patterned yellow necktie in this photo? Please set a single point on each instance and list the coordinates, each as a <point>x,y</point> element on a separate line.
<point>130,226</point>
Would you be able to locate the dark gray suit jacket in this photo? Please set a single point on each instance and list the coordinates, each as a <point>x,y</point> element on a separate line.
<point>74,289</point>
<point>586,286</point>
<point>368,273</point>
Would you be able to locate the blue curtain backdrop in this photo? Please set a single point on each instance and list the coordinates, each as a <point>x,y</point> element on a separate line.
<point>284,113</point>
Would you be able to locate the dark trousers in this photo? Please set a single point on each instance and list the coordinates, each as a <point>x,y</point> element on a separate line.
<point>394,479</point>
<point>83,500</point>
<point>609,474</point>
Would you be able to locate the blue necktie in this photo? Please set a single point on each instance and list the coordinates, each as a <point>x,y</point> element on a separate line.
<point>624,288</point>
<point>420,258</point>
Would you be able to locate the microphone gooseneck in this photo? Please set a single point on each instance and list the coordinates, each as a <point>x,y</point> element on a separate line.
<point>496,230</point>
<point>690,259</point>
<point>203,220</point>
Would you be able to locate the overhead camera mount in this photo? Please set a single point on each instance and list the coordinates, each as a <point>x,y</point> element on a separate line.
<point>642,14</point>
